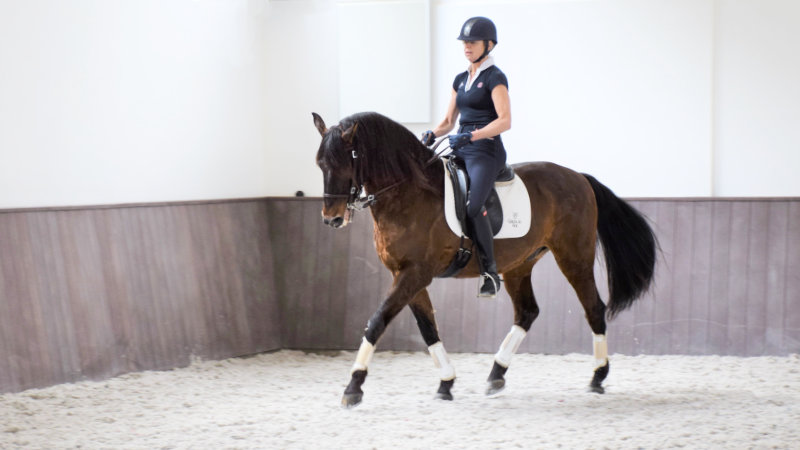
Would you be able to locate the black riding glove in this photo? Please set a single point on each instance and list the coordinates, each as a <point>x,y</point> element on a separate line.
<point>428,138</point>
<point>459,140</point>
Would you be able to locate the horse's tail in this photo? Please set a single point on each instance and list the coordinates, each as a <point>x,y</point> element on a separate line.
<point>629,246</point>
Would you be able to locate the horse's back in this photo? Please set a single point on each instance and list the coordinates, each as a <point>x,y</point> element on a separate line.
<point>564,208</point>
<point>550,181</point>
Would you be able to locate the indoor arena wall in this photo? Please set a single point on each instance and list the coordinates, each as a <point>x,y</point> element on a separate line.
<point>89,293</point>
<point>95,292</point>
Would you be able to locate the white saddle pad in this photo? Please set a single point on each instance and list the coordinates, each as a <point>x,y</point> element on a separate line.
<point>514,199</point>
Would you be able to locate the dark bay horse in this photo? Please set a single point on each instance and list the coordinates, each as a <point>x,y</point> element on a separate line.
<point>370,153</point>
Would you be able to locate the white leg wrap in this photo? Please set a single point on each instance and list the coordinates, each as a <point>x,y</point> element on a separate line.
<point>364,356</point>
<point>439,354</point>
<point>600,350</point>
<point>510,345</point>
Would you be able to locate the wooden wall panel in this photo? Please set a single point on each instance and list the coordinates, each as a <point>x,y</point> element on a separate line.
<point>726,283</point>
<point>94,292</point>
<point>720,263</point>
<point>790,328</point>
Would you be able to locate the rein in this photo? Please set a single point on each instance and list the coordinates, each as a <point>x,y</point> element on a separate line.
<point>437,156</point>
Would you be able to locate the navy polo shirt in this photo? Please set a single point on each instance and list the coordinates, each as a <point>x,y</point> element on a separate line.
<point>476,105</point>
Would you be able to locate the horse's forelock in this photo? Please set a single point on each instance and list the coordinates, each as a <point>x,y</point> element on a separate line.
<point>332,150</point>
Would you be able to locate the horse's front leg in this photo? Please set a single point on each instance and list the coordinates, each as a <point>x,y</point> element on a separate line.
<point>407,283</point>
<point>423,311</point>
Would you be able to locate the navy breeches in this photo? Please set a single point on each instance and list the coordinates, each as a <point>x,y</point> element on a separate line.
<point>484,160</point>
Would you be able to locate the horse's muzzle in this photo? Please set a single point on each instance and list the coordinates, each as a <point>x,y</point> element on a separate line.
<point>335,222</point>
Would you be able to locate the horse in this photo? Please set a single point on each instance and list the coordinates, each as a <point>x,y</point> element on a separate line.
<point>369,160</point>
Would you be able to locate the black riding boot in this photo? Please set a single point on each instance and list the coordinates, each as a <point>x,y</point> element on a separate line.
<point>484,238</point>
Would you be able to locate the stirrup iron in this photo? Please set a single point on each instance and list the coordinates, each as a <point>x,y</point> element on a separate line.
<point>495,283</point>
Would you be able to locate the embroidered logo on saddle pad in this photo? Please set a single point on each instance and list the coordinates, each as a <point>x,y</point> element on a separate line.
<point>511,211</point>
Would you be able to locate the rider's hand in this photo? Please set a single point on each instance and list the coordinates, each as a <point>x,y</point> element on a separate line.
<point>428,138</point>
<point>459,140</point>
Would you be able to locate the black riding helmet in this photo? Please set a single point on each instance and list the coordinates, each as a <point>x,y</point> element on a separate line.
<point>479,29</point>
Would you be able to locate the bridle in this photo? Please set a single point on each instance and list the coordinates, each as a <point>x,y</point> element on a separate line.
<point>357,198</point>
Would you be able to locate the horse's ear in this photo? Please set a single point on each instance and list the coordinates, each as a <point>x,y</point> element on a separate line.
<point>320,124</point>
<point>349,134</point>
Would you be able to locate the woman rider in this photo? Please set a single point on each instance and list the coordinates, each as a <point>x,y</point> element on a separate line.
<point>480,95</point>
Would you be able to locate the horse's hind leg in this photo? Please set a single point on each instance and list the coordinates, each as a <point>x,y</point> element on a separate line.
<point>580,274</point>
<point>519,287</point>
<point>423,311</point>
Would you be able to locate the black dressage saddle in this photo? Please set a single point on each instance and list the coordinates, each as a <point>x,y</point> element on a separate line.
<point>460,179</point>
<point>458,174</point>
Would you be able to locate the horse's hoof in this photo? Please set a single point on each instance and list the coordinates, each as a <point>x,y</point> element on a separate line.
<point>597,389</point>
<point>495,386</point>
<point>443,396</point>
<point>444,390</point>
<point>351,400</point>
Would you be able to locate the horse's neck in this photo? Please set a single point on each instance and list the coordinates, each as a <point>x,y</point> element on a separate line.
<point>408,205</point>
<point>403,207</point>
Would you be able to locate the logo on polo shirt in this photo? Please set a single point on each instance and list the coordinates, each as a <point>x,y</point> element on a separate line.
<point>480,85</point>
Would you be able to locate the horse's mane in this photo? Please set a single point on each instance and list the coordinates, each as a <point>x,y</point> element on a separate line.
<point>390,152</point>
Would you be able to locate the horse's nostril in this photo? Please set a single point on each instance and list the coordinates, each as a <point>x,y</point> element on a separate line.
<point>326,221</point>
<point>336,222</point>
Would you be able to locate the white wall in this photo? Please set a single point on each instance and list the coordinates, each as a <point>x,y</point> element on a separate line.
<point>619,89</point>
<point>139,101</point>
<point>656,98</point>
<point>131,101</point>
<point>757,92</point>
<point>303,54</point>
<point>398,46</point>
